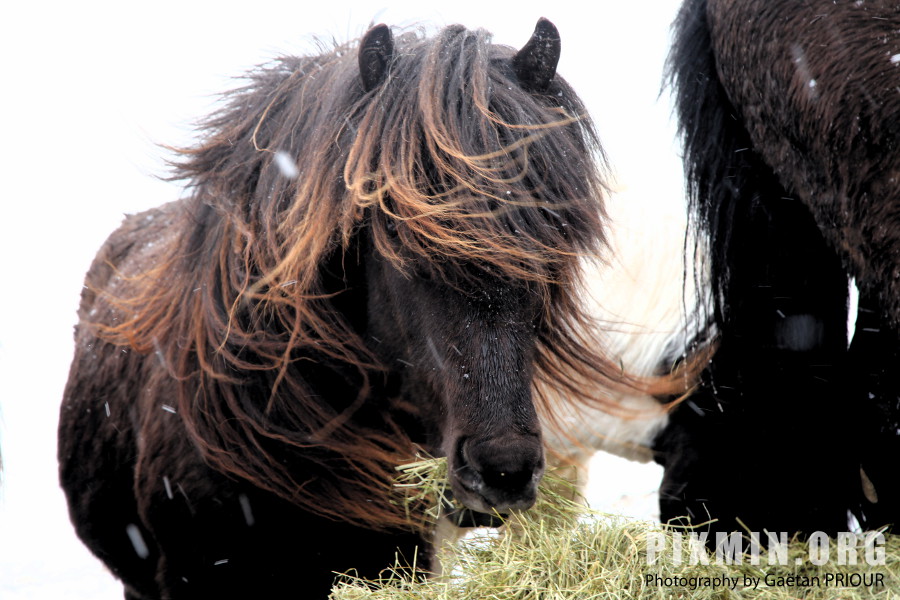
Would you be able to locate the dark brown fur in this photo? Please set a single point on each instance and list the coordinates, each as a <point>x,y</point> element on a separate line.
<point>824,113</point>
<point>790,115</point>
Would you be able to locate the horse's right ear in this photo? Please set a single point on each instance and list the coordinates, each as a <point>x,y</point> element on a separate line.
<point>375,52</point>
<point>535,64</point>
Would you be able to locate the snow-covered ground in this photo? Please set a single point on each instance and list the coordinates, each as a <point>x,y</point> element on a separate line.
<point>90,87</point>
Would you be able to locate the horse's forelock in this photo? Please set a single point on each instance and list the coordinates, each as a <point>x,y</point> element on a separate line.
<point>467,167</point>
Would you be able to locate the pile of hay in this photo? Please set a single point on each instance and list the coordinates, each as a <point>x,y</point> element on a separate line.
<point>560,551</point>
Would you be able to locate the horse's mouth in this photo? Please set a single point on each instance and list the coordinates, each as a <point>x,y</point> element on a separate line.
<point>471,490</point>
<point>468,518</point>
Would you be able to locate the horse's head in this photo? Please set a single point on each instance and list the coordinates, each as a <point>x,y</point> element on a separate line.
<point>413,205</point>
<point>473,230</point>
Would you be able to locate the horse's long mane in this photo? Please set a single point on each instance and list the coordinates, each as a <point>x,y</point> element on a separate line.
<point>450,163</point>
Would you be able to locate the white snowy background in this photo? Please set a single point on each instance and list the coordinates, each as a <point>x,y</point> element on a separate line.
<point>89,89</point>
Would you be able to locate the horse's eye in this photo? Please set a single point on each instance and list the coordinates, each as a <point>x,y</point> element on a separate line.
<point>424,274</point>
<point>391,228</point>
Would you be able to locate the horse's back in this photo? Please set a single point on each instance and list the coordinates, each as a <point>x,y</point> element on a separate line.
<point>816,87</point>
<point>817,90</point>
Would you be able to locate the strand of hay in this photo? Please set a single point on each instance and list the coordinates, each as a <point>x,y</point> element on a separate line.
<point>559,550</point>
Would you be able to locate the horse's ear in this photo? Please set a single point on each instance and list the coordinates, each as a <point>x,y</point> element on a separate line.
<point>375,52</point>
<point>535,64</point>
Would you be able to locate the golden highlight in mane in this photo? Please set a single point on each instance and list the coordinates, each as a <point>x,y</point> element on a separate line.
<point>449,166</point>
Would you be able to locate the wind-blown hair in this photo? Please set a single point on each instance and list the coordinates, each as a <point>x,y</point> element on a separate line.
<point>450,169</point>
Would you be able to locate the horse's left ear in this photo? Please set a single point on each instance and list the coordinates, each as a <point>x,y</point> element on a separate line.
<point>375,52</point>
<point>535,64</point>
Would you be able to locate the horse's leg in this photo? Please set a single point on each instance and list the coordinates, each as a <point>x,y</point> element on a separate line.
<point>875,353</point>
<point>778,460</point>
<point>764,442</point>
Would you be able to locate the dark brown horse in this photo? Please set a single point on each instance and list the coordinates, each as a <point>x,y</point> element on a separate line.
<point>379,253</point>
<point>790,114</point>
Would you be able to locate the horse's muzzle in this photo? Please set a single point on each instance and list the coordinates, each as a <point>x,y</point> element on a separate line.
<point>497,474</point>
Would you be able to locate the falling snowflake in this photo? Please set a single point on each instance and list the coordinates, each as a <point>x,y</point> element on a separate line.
<point>286,165</point>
